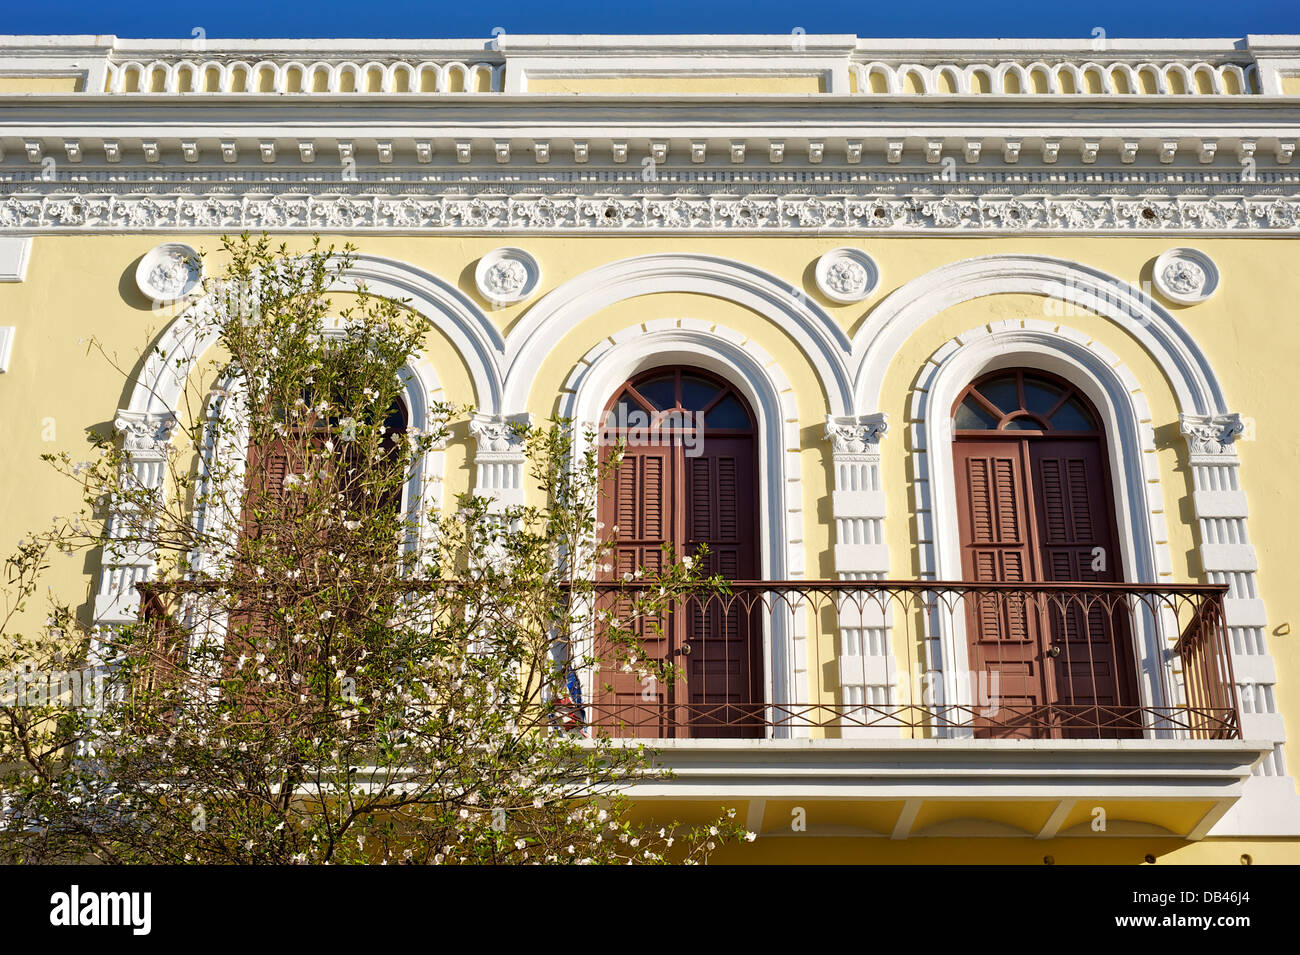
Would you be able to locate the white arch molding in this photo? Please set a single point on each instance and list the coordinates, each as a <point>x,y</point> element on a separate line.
<point>818,336</point>
<point>906,309</point>
<point>480,345</point>
<point>729,354</point>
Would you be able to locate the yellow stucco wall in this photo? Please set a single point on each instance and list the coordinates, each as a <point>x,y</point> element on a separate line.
<point>79,287</point>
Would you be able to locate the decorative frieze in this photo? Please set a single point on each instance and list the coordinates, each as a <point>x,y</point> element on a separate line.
<point>93,211</point>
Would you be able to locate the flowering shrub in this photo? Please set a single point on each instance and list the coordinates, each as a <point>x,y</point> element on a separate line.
<point>324,672</point>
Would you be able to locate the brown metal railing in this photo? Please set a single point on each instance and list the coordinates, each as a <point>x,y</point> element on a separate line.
<point>921,658</point>
<point>890,659</point>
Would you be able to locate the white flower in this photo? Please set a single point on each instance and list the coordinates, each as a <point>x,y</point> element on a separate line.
<point>751,836</point>
<point>352,525</point>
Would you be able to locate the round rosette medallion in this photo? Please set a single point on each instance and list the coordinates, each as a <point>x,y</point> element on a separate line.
<point>846,275</point>
<point>507,275</point>
<point>169,272</point>
<point>1185,276</point>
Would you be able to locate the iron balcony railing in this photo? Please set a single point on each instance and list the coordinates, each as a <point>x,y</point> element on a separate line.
<point>923,658</point>
<point>886,659</point>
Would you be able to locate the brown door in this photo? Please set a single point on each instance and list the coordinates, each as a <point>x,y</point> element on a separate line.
<point>687,478</point>
<point>1034,505</point>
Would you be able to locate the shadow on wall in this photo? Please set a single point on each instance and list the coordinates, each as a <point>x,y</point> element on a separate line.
<point>1167,437</point>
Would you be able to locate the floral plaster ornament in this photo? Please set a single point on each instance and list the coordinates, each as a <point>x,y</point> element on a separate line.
<point>1185,276</point>
<point>846,275</point>
<point>169,272</point>
<point>507,275</point>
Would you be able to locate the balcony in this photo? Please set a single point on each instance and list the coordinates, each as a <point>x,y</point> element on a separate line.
<point>922,660</point>
<point>901,709</point>
<point>923,708</point>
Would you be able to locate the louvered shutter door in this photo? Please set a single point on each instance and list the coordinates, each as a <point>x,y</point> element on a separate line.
<point>993,519</point>
<point>1092,676</point>
<point>264,495</point>
<point>722,674</point>
<point>638,500</point>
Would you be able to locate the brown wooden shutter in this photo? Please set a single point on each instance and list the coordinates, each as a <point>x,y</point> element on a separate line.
<point>721,672</point>
<point>996,533</point>
<point>993,516</point>
<point>1074,526</point>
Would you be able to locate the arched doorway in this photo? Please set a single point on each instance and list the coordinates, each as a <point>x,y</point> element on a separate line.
<point>688,477</point>
<point>1035,506</point>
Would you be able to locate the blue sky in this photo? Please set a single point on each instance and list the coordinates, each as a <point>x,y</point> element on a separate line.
<point>476,18</point>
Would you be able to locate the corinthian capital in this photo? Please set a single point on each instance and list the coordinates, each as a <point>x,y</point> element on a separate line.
<point>145,431</point>
<point>498,434</point>
<point>1210,433</point>
<point>856,434</point>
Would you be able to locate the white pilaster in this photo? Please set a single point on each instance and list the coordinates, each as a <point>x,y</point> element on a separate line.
<point>499,459</point>
<point>128,559</point>
<point>1270,805</point>
<point>867,671</point>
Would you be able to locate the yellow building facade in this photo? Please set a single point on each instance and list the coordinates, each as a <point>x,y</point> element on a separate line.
<point>849,234</point>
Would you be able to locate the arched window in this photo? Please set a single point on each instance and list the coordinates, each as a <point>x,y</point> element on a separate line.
<point>1035,506</point>
<point>688,477</point>
<point>1022,400</point>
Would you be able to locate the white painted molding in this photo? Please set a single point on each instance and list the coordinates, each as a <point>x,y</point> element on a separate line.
<point>499,459</point>
<point>867,668</point>
<point>471,332</point>
<point>820,337</point>
<point>1064,285</point>
<point>6,346</point>
<point>848,209</point>
<point>846,275</point>
<point>15,251</point>
<point>1270,806</point>
<point>169,272</point>
<point>507,275</point>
